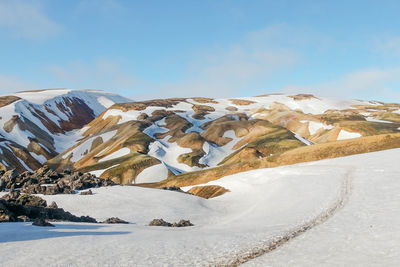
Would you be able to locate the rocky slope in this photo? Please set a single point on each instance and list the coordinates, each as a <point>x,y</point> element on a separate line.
<point>37,125</point>
<point>150,141</point>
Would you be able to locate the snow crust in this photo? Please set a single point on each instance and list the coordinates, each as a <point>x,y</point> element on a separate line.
<point>314,126</point>
<point>376,120</point>
<point>117,154</point>
<point>343,134</point>
<point>152,174</point>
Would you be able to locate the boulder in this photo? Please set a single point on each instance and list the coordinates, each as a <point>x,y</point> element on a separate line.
<point>161,222</point>
<point>114,220</point>
<point>182,223</point>
<point>42,222</point>
<point>84,193</point>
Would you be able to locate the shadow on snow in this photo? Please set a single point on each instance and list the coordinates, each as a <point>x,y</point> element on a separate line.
<point>14,232</point>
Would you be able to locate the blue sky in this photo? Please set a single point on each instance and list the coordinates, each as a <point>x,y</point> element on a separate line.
<point>154,49</point>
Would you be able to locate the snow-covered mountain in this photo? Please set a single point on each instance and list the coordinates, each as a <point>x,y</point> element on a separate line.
<point>37,125</point>
<point>230,152</point>
<point>149,141</point>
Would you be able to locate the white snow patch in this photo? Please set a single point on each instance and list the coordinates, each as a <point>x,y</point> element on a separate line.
<point>169,152</point>
<point>117,154</point>
<point>302,139</point>
<point>106,102</point>
<point>376,120</point>
<point>347,135</point>
<point>42,159</point>
<point>152,174</point>
<point>100,172</point>
<point>314,126</point>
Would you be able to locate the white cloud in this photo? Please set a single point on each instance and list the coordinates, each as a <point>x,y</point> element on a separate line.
<point>378,84</point>
<point>248,64</point>
<point>102,73</point>
<point>26,19</point>
<point>10,83</point>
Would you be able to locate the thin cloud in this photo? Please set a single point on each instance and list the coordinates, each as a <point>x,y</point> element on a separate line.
<point>27,20</point>
<point>10,83</point>
<point>225,72</point>
<point>102,73</point>
<point>374,84</point>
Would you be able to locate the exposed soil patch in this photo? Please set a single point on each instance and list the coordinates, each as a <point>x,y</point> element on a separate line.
<point>7,100</point>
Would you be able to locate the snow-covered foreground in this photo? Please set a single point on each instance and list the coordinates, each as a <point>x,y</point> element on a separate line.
<point>262,205</point>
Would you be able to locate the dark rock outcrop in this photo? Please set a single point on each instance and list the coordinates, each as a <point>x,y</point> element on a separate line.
<point>48,182</point>
<point>114,220</point>
<point>16,207</point>
<point>161,222</point>
<point>85,193</point>
<point>42,222</point>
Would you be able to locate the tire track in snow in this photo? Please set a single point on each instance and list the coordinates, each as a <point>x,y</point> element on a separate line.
<point>278,241</point>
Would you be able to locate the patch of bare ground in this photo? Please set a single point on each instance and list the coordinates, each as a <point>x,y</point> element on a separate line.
<point>208,191</point>
<point>40,90</point>
<point>7,100</point>
<point>204,100</point>
<point>241,102</point>
<point>165,103</point>
<point>302,97</point>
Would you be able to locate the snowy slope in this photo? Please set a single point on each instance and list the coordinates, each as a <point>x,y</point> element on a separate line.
<point>51,119</point>
<point>262,206</point>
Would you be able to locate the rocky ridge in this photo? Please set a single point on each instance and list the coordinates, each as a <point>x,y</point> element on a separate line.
<point>49,182</point>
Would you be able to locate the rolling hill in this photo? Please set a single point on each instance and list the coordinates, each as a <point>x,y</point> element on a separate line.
<point>36,126</point>
<point>180,141</point>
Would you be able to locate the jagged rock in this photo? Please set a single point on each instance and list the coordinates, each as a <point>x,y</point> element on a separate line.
<point>53,205</point>
<point>182,223</point>
<point>114,220</point>
<point>173,188</point>
<point>42,222</point>
<point>84,193</point>
<point>10,175</point>
<point>161,222</point>
<point>25,200</point>
<point>15,204</point>
<point>48,182</point>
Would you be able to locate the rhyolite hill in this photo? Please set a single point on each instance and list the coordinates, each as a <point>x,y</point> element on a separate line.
<point>185,141</point>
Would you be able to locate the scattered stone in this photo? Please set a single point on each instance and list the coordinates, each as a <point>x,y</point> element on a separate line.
<point>161,222</point>
<point>42,222</point>
<point>182,223</point>
<point>115,220</point>
<point>23,218</point>
<point>174,188</point>
<point>53,205</point>
<point>84,193</point>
